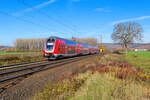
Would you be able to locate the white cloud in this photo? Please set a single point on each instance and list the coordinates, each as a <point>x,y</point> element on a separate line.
<point>102,10</point>
<point>34,7</point>
<point>131,19</point>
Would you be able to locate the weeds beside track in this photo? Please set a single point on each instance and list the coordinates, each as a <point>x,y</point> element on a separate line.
<point>12,76</point>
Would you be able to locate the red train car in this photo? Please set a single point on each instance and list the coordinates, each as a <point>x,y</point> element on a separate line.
<point>55,47</point>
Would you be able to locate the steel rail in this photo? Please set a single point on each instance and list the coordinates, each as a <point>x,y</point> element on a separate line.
<point>32,72</point>
<point>55,63</point>
<point>35,65</point>
<point>19,65</point>
<point>13,80</point>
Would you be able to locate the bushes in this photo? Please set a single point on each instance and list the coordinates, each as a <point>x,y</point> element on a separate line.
<point>109,78</point>
<point>115,79</point>
<point>64,89</point>
<point>118,65</point>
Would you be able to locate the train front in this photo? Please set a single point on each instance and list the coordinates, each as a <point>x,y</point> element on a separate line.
<point>49,48</point>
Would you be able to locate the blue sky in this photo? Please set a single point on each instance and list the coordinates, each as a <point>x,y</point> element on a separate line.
<point>67,18</point>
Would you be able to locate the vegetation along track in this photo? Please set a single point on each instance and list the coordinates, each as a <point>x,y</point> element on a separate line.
<point>20,64</point>
<point>13,75</point>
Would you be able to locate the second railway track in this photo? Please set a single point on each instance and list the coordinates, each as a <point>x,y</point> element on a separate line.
<point>12,76</point>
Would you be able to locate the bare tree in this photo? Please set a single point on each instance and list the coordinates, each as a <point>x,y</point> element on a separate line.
<point>29,44</point>
<point>127,33</point>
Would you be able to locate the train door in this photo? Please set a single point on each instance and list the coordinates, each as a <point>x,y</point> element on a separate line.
<point>66,50</point>
<point>59,48</point>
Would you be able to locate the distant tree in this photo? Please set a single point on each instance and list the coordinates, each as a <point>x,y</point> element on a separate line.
<point>29,44</point>
<point>127,33</point>
<point>89,41</point>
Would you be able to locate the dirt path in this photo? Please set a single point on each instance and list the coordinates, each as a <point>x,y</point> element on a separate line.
<point>27,88</point>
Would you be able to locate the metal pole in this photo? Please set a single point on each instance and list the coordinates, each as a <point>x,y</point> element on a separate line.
<point>101,41</point>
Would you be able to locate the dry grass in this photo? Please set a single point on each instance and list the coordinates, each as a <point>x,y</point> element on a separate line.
<point>110,77</point>
<point>108,87</point>
<point>118,65</point>
<point>9,59</point>
<point>64,89</point>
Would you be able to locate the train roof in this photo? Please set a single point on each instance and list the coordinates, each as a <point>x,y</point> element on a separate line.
<point>73,42</point>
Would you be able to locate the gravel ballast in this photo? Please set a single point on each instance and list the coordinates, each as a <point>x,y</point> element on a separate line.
<point>28,87</point>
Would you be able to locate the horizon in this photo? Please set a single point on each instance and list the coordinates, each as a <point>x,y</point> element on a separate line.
<point>67,18</point>
<point>98,43</point>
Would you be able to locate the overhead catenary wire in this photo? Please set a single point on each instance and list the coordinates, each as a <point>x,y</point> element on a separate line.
<point>31,16</point>
<point>24,20</point>
<point>50,17</point>
<point>30,22</point>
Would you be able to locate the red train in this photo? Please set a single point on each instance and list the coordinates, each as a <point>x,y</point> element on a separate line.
<point>55,47</point>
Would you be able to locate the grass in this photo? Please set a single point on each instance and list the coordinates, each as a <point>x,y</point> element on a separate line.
<point>139,59</point>
<point>107,87</point>
<point>89,86</point>
<point>114,77</point>
<point>62,90</point>
<point>18,53</point>
<point>142,54</point>
<point>8,58</point>
<point>15,59</point>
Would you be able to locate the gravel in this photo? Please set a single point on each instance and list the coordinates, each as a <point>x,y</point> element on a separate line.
<point>28,87</point>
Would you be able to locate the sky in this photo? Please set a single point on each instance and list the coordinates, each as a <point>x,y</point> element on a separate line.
<point>67,18</point>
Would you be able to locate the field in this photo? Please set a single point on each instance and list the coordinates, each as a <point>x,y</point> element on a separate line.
<point>143,54</point>
<point>18,53</point>
<point>8,58</point>
<point>140,60</point>
<point>111,77</point>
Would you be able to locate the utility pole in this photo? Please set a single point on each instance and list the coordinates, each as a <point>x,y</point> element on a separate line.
<point>73,38</point>
<point>101,43</point>
<point>101,40</point>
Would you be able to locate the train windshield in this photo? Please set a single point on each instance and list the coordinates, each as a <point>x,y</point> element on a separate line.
<point>50,44</point>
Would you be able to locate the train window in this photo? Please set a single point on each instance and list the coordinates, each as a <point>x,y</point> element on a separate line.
<point>53,40</point>
<point>48,40</point>
<point>49,47</point>
<point>49,44</point>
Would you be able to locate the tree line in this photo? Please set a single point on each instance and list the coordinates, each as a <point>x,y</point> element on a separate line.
<point>38,44</point>
<point>29,44</point>
<point>89,41</point>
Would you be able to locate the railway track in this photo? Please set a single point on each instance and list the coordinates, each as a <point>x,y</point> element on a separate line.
<point>11,76</point>
<point>20,64</point>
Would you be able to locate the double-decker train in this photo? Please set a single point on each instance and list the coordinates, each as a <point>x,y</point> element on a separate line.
<point>55,47</point>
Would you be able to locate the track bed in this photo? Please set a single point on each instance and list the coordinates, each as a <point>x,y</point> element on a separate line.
<point>60,66</point>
